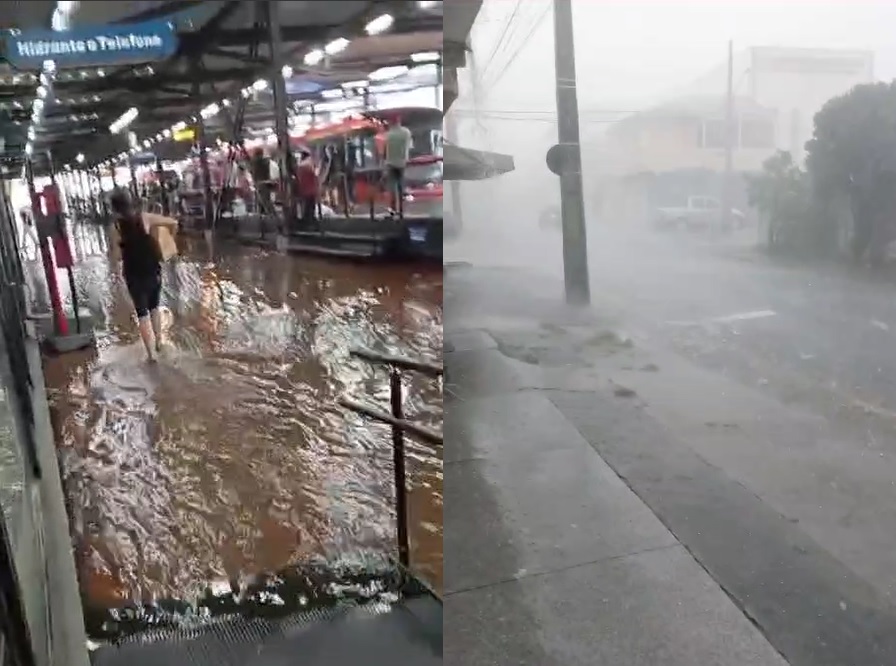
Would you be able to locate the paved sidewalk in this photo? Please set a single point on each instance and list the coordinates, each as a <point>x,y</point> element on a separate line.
<point>551,560</point>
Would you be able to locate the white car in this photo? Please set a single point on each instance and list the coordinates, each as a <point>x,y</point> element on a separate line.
<point>701,213</point>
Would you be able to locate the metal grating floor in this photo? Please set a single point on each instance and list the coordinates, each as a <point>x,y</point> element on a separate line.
<point>408,632</point>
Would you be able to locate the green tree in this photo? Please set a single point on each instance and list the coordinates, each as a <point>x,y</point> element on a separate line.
<point>852,154</point>
<point>780,193</point>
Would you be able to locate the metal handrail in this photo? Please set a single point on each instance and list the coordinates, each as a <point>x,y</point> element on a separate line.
<point>399,425</point>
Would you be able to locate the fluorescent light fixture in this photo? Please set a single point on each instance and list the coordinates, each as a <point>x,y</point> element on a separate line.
<point>336,46</point>
<point>177,127</point>
<point>132,140</point>
<point>427,4</point>
<point>363,83</point>
<point>387,73</point>
<point>210,111</point>
<point>332,94</point>
<point>80,158</point>
<point>286,71</point>
<point>225,103</point>
<point>379,24</point>
<point>147,143</point>
<point>314,57</point>
<point>41,91</point>
<point>166,133</point>
<point>29,149</point>
<point>124,120</point>
<point>426,56</point>
<point>260,85</point>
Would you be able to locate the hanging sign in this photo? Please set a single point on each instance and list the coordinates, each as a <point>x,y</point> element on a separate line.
<point>188,134</point>
<point>92,45</point>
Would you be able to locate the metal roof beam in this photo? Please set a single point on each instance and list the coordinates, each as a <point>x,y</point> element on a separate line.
<point>313,33</point>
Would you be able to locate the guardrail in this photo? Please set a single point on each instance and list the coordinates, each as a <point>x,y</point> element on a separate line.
<point>400,425</point>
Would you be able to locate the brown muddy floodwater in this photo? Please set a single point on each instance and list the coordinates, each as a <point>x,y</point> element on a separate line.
<point>231,457</point>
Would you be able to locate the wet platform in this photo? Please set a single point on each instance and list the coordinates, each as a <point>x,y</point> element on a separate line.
<point>360,237</point>
<point>230,459</point>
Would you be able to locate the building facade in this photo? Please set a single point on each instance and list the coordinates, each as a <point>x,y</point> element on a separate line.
<point>663,155</point>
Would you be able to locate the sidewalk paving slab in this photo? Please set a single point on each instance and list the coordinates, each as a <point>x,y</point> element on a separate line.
<point>550,557</point>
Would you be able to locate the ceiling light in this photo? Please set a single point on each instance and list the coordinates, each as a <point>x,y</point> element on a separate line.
<point>355,84</point>
<point>260,85</point>
<point>80,158</point>
<point>286,71</point>
<point>29,149</point>
<point>387,73</point>
<point>336,46</point>
<point>314,57</point>
<point>427,4</point>
<point>124,120</point>
<point>332,94</point>
<point>379,24</point>
<point>177,127</point>
<point>426,56</point>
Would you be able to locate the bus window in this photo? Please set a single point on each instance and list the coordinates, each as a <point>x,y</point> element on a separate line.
<point>421,175</point>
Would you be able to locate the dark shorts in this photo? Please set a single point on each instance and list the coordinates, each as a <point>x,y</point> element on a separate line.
<point>146,292</point>
<point>395,174</point>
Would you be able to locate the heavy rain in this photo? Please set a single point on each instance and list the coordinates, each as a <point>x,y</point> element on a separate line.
<point>685,346</point>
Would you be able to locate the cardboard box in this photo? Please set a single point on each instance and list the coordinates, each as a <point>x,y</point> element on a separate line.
<point>165,238</point>
<point>163,229</point>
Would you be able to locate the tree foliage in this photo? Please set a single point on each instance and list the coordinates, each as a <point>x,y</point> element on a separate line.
<point>780,193</point>
<point>853,153</point>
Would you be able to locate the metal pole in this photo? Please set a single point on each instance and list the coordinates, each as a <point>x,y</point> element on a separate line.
<point>133,171</point>
<point>278,84</point>
<point>572,206</point>
<point>727,182</point>
<point>199,128</point>
<point>62,235</point>
<point>401,489</point>
<point>454,192</point>
<point>100,192</point>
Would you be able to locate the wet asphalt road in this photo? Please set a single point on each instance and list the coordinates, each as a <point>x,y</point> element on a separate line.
<point>758,417</point>
<point>230,457</point>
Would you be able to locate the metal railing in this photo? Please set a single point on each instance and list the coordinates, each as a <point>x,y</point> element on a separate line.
<point>400,425</point>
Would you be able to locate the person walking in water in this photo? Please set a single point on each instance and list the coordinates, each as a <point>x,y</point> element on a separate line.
<point>141,266</point>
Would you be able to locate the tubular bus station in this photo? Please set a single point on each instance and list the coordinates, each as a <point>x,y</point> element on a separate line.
<point>208,112</point>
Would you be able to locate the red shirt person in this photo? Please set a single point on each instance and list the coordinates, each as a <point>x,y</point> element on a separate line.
<point>307,186</point>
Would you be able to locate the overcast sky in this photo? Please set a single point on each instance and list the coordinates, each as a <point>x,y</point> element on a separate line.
<point>630,52</point>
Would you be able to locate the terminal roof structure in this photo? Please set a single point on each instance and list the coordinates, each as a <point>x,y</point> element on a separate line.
<point>222,53</point>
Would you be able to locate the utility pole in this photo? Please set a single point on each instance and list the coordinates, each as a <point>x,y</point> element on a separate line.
<point>730,134</point>
<point>454,192</point>
<point>572,205</point>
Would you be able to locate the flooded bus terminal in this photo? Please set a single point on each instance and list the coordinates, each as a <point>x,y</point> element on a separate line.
<point>228,478</point>
<point>231,457</point>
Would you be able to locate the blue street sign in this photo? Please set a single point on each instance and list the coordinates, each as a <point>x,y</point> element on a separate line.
<point>92,46</point>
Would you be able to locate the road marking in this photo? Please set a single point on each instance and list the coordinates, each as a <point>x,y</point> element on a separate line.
<point>728,319</point>
<point>744,316</point>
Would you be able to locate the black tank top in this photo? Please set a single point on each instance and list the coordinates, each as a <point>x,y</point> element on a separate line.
<point>141,255</point>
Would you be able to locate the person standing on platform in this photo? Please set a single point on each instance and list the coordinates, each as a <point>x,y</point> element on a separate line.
<point>307,186</point>
<point>399,142</point>
<point>141,266</point>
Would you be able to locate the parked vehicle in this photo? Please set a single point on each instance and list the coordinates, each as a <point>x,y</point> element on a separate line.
<point>701,213</point>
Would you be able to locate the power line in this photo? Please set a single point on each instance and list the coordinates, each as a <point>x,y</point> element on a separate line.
<point>511,40</point>
<point>498,44</point>
<point>523,43</point>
